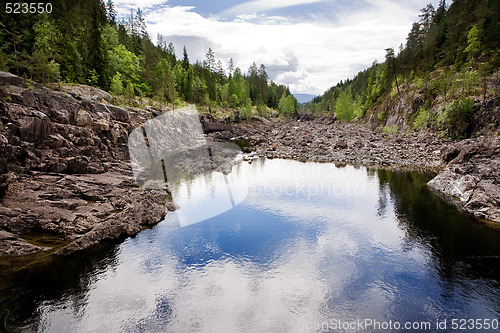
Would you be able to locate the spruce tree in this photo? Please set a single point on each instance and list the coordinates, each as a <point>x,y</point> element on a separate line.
<point>185,59</point>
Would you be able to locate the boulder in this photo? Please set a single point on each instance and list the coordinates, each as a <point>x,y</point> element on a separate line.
<point>10,79</point>
<point>449,152</point>
<point>87,93</point>
<point>341,144</point>
<point>56,141</point>
<point>472,177</point>
<point>118,113</point>
<point>101,125</point>
<point>77,165</point>
<point>83,118</point>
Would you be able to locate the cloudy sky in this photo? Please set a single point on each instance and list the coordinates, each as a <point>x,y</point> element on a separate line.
<point>308,45</point>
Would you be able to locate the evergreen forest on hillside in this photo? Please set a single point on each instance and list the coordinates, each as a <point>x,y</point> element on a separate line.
<point>84,42</point>
<point>451,54</point>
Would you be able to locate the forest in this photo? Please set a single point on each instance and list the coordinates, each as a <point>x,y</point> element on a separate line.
<point>451,52</point>
<point>84,42</point>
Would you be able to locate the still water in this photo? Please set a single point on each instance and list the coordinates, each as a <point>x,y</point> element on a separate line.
<point>297,247</point>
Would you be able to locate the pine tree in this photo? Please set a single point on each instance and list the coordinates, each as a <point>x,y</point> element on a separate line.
<point>111,12</point>
<point>210,60</point>
<point>218,69</point>
<point>189,85</point>
<point>230,67</point>
<point>263,77</point>
<point>164,82</point>
<point>160,42</point>
<point>391,63</point>
<point>45,51</point>
<point>472,48</point>
<point>129,92</point>
<point>185,59</point>
<point>96,56</point>
<point>426,17</point>
<point>142,29</point>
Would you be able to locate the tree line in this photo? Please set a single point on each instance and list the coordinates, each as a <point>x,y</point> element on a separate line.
<point>84,42</point>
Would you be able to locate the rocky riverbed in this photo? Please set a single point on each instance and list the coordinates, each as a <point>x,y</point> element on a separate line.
<point>326,140</point>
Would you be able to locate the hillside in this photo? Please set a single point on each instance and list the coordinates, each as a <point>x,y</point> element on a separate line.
<point>303,98</point>
<point>445,79</point>
<point>84,42</point>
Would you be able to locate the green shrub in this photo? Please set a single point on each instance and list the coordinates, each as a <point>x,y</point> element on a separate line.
<point>422,119</point>
<point>246,111</point>
<point>234,101</point>
<point>117,84</point>
<point>455,118</point>
<point>347,108</point>
<point>142,89</point>
<point>129,92</point>
<point>419,82</point>
<point>286,105</point>
<point>471,80</point>
<point>262,110</point>
<point>178,103</point>
<point>381,115</point>
<point>390,130</point>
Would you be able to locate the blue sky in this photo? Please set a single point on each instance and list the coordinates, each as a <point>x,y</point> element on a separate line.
<point>308,45</point>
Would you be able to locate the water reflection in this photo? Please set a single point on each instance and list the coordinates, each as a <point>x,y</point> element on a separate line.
<point>310,243</point>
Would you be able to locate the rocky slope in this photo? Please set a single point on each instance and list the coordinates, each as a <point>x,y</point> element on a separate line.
<point>64,168</point>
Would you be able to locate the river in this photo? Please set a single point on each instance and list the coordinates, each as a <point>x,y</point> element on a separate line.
<point>275,246</point>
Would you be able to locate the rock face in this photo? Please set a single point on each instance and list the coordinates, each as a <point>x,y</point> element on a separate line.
<point>64,168</point>
<point>472,177</point>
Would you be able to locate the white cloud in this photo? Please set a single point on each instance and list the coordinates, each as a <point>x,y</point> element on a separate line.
<point>263,5</point>
<point>142,3</point>
<point>309,56</point>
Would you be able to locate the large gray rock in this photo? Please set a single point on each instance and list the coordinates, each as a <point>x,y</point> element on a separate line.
<point>84,209</point>
<point>87,93</point>
<point>10,79</point>
<point>471,179</point>
<point>118,113</point>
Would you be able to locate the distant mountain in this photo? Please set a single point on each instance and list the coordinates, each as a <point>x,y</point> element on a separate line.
<point>303,98</point>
